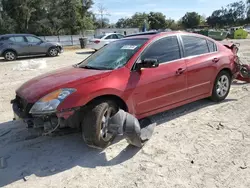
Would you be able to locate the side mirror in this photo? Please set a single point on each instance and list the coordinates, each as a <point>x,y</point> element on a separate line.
<point>147,63</point>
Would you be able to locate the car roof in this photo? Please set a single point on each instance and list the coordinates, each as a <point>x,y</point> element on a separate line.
<point>15,35</point>
<point>155,34</point>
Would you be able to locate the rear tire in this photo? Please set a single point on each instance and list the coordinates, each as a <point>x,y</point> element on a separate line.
<point>221,87</point>
<point>53,52</point>
<point>94,124</point>
<point>10,55</point>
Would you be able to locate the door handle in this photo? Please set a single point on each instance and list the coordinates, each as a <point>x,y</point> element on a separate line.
<point>215,60</point>
<point>180,71</point>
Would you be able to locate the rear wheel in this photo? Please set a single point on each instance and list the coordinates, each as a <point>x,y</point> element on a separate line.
<point>10,55</point>
<point>221,87</point>
<point>95,122</point>
<point>53,52</point>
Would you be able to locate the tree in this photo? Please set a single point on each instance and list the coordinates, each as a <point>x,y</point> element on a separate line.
<point>191,20</point>
<point>136,21</point>
<point>123,23</point>
<point>157,20</point>
<point>44,17</point>
<point>102,23</point>
<point>233,14</point>
<point>216,19</point>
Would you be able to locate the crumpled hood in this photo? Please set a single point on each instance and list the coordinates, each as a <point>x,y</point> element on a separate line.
<point>68,77</point>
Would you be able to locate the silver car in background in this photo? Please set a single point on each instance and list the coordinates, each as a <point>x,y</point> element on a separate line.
<point>99,41</point>
<point>15,45</point>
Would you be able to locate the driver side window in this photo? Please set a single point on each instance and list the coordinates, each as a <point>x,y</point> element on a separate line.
<point>164,50</point>
<point>33,39</point>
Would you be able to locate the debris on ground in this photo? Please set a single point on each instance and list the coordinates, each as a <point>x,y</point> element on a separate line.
<point>36,64</point>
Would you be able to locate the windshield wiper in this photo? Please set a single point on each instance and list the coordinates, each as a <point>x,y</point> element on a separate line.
<point>90,67</point>
<point>95,68</point>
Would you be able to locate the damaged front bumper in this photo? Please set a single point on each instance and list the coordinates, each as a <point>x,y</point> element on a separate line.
<point>48,122</point>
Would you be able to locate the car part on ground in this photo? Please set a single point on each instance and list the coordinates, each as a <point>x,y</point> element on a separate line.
<point>244,72</point>
<point>125,124</point>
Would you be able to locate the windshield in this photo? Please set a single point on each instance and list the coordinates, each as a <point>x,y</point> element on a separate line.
<point>114,55</point>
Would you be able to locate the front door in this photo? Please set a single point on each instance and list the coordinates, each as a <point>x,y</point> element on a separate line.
<point>165,85</point>
<point>36,45</point>
<point>201,58</point>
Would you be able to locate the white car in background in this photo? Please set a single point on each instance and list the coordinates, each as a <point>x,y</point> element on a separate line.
<point>99,41</point>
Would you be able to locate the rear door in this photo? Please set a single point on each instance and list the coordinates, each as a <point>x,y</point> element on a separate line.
<point>201,58</point>
<point>36,45</point>
<point>19,44</point>
<point>165,85</point>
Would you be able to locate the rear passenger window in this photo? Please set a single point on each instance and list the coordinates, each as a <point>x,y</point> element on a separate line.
<point>212,46</point>
<point>12,39</point>
<point>194,46</point>
<point>16,39</point>
<point>19,39</point>
<point>164,50</point>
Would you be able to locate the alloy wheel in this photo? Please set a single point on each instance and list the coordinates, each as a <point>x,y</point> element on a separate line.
<point>222,86</point>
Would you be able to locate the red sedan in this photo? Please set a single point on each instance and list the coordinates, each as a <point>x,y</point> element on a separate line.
<point>143,74</point>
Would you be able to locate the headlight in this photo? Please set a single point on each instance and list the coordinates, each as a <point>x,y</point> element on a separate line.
<point>50,102</point>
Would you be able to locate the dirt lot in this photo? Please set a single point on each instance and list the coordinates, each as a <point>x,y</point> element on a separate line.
<point>202,144</point>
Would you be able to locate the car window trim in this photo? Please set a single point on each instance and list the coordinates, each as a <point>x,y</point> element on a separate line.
<point>181,45</point>
<point>188,57</point>
<point>214,45</point>
<point>155,40</point>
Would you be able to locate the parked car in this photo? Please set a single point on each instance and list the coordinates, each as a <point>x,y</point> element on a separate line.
<point>14,45</point>
<point>142,74</point>
<point>101,40</point>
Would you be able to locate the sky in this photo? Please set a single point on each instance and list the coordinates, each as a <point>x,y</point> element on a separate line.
<point>174,9</point>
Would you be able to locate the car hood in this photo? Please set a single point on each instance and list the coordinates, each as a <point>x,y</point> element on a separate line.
<point>68,77</point>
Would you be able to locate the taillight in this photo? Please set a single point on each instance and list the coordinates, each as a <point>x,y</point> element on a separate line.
<point>96,41</point>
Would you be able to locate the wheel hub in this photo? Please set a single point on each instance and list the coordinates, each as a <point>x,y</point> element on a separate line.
<point>104,126</point>
<point>222,86</point>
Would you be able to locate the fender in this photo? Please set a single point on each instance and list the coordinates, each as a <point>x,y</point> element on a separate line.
<point>10,50</point>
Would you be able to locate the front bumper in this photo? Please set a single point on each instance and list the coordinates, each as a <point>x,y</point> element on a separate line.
<point>21,110</point>
<point>60,49</point>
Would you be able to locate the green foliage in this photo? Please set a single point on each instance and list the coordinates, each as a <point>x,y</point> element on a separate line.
<point>232,15</point>
<point>44,17</point>
<point>191,20</point>
<point>54,17</point>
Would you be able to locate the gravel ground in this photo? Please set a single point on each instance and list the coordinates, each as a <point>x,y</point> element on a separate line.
<point>202,144</point>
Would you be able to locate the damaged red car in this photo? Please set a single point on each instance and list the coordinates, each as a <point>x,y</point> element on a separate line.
<point>143,74</point>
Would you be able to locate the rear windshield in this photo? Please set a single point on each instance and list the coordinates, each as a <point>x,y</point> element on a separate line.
<point>114,55</point>
<point>99,36</point>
